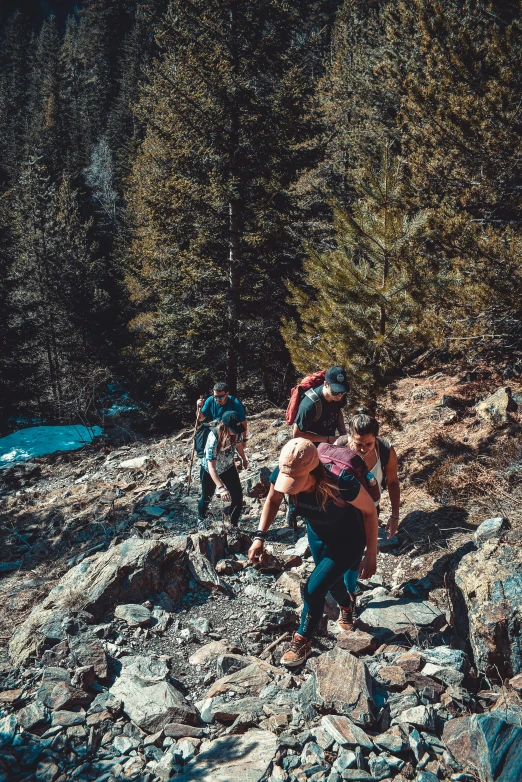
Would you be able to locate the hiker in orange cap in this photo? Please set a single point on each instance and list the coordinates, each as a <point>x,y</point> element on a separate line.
<point>341,520</point>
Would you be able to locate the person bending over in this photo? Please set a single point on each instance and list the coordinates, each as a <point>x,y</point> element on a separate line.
<point>218,472</point>
<point>341,522</point>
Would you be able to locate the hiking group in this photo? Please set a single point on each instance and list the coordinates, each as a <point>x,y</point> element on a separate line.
<point>332,474</point>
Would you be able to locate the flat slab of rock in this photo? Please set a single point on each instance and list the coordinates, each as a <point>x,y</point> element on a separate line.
<point>487,745</point>
<point>176,730</point>
<point>489,530</point>
<point>31,715</point>
<point>122,574</point>
<point>342,683</point>
<point>248,681</point>
<point>148,668</point>
<point>134,614</point>
<point>444,674</point>
<point>213,650</point>
<point>10,696</point>
<point>486,596</point>
<point>89,652</point>
<point>420,716</point>
<point>152,706</point>
<point>292,585</point>
<point>232,758</point>
<point>203,572</point>
<point>136,464</point>
<point>385,616</point>
<point>345,732</point>
<point>357,642</point>
<point>392,676</point>
<point>410,662</point>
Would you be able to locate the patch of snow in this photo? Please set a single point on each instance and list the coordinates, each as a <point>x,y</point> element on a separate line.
<point>41,440</point>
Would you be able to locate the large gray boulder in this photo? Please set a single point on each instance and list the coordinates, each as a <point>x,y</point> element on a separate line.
<point>486,595</point>
<point>341,683</point>
<point>232,758</point>
<point>148,698</point>
<point>486,744</point>
<point>126,573</point>
<point>385,616</point>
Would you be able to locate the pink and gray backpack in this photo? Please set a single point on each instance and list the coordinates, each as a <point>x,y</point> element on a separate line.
<point>339,459</point>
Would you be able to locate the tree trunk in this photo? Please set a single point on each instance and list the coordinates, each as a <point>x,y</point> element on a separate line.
<point>234,241</point>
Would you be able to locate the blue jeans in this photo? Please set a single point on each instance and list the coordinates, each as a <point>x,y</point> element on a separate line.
<point>332,562</point>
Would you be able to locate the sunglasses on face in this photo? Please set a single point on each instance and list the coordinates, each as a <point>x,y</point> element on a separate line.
<point>220,396</point>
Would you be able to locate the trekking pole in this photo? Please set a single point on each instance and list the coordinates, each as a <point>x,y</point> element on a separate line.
<point>193,449</point>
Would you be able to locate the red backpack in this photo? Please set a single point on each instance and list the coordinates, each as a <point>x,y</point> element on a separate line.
<point>339,459</point>
<point>306,386</point>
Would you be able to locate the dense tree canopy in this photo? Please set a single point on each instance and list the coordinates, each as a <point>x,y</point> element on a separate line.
<point>226,189</point>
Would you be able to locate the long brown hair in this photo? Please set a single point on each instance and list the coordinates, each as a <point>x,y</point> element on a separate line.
<point>224,436</point>
<point>324,487</point>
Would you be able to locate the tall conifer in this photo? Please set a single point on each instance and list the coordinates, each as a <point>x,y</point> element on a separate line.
<point>228,130</point>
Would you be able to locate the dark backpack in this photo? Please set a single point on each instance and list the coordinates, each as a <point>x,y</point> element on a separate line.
<point>339,460</point>
<point>201,437</point>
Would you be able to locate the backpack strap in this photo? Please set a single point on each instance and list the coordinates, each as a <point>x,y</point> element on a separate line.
<point>384,455</point>
<point>316,399</point>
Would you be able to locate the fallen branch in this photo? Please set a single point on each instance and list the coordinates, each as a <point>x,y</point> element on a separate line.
<point>266,652</point>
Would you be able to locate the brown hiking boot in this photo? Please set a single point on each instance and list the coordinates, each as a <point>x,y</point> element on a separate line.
<point>345,620</point>
<point>297,652</point>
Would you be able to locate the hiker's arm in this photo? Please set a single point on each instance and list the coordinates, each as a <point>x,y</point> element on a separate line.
<point>270,508</point>
<point>365,504</point>
<point>341,426</point>
<point>241,451</point>
<point>222,489</point>
<point>394,490</point>
<point>199,406</point>
<point>312,436</point>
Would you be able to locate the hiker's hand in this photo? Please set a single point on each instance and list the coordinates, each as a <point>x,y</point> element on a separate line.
<point>224,494</point>
<point>245,463</point>
<point>368,565</point>
<point>199,404</point>
<point>391,526</point>
<point>256,552</point>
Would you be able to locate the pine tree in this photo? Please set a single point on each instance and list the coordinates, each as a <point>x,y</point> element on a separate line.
<point>56,293</point>
<point>364,304</point>
<point>460,122</point>
<point>227,131</point>
<point>16,54</point>
<point>44,111</point>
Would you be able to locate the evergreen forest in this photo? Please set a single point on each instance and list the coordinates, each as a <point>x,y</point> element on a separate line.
<point>251,190</point>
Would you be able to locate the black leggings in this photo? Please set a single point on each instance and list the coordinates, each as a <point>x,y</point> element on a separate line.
<point>331,563</point>
<point>231,480</point>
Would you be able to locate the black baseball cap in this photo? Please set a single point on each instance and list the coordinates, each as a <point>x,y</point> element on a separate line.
<point>231,420</point>
<point>336,379</point>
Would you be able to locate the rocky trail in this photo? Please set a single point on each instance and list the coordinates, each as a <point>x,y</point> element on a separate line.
<point>135,647</point>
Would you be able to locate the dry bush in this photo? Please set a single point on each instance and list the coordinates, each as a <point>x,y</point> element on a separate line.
<point>486,485</point>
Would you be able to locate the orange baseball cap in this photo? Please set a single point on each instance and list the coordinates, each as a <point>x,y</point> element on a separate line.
<point>296,461</point>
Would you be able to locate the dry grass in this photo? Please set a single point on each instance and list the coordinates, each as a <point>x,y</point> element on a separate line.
<point>486,485</point>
